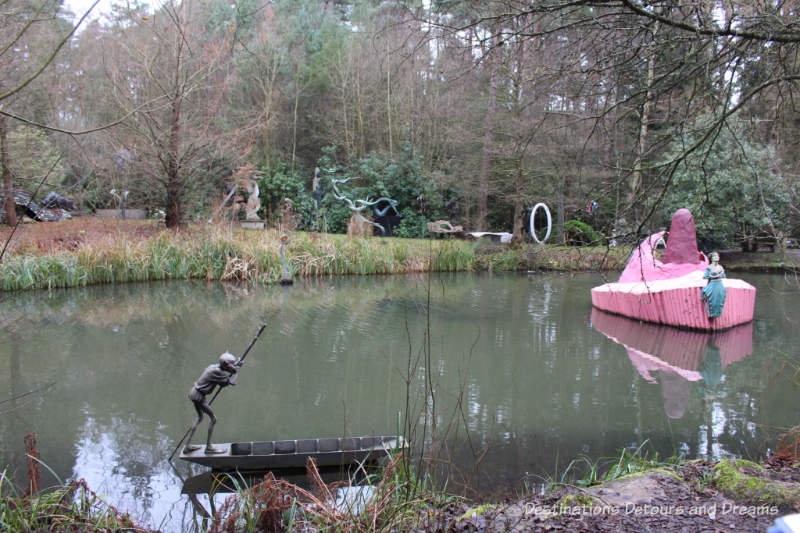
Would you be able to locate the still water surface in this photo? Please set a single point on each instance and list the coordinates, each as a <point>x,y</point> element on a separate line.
<point>530,377</point>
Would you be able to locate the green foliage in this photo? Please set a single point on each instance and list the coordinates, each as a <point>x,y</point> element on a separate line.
<point>400,178</point>
<point>279,184</point>
<point>508,260</point>
<point>414,224</point>
<point>581,234</point>
<point>585,472</point>
<point>31,156</point>
<point>731,184</point>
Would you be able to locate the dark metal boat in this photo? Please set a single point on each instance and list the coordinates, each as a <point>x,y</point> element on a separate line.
<point>267,455</point>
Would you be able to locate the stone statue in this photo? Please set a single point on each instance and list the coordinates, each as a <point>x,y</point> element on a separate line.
<point>253,201</point>
<point>222,374</point>
<point>713,294</point>
<point>288,217</point>
<point>286,277</point>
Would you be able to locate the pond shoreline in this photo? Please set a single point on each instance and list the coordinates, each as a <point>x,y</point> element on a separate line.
<point>696,495</point>
<point>251,257</point>
<point>78,253</point>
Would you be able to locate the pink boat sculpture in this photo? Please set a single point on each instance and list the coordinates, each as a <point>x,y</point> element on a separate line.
<point>671,291</point>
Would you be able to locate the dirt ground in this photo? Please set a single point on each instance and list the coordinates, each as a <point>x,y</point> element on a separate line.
<point>50,237</point>
<point>683,500</point>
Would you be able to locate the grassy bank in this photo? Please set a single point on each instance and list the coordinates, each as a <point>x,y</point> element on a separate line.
<point>89,257</point>
<point>85,252</point>
<point>72,507</point>
<point>587,496</point>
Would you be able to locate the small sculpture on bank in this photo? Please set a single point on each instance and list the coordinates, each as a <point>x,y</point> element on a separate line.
<point>253,201</point>
<point>288,216</point>
<point>223,374</point>
<point>123,198</point>
<point>713,294</point>
<point>242,180</point>
<point>392,204</point>
<point>286,277</point>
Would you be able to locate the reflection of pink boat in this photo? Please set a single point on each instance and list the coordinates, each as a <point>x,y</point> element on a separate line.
<point>668,292</point>
<point>651,347</point>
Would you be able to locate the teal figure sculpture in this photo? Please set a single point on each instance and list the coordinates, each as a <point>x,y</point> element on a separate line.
<point>713,293</point>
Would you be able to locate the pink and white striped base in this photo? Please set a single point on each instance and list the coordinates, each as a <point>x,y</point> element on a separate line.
<point>677,302</point>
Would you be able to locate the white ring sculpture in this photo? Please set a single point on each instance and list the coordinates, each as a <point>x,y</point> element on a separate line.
<point>549,222</point>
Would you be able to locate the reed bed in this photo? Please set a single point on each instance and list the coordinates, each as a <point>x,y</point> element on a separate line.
<point>394,501</point>
<point>82,252</point>
<point>71,507</point>
<point>219,253</point>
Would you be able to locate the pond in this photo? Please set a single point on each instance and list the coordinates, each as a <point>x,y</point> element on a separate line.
<point>525,376</point>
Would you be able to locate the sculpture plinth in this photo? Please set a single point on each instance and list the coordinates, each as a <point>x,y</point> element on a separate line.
<point>251,224</point>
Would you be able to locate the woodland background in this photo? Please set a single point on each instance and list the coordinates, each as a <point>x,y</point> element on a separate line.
<point>614,112</point>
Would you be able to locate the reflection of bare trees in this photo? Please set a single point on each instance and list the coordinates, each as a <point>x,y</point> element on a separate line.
<point>515,389</point>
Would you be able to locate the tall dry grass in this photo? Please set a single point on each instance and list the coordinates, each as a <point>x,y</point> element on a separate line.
<point>217,252</point>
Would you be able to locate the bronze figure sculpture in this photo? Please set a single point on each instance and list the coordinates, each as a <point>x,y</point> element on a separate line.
<point>204,386</point>
<point>221,374</point>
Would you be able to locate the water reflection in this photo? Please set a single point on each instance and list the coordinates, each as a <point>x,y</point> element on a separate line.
<point>677,357</point>
<point>522,380</point>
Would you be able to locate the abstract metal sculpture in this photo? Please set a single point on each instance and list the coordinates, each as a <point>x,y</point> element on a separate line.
<point>549,222</point>
<point>122,199</point>
<point>359,205</point>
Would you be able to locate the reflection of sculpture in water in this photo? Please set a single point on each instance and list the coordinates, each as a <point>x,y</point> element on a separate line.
<point>675,358</point>
<point>711,367</point>
<point>222,374</point>
<point>675,390</point>
<point>713,294</point>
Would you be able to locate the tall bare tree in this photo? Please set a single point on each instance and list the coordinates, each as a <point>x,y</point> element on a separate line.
<point>169,59</point>
<point>31,37</point>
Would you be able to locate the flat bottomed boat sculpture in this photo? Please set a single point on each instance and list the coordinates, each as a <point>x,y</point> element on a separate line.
<point>671,291</point>
<point>268,455</point>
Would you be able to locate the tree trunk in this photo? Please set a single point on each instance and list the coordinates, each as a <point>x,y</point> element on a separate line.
<point>8,187</point>
<point>173,212</point>
<point>519,206</point>
<point>486,163</point>
<point>560,215</point>
<point>636,176</point>
<point>294,115</point>
<point>389,97</point>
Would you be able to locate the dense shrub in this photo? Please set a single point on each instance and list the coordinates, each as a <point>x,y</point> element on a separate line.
<point>281,183</point>
<point>732,184</point>
<point>377,175</point>
<point>581,234</point>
